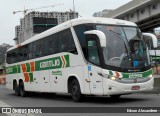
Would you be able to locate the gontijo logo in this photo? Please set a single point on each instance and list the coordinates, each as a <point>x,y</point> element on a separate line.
<point>48,64</point>
<point>52,63</point>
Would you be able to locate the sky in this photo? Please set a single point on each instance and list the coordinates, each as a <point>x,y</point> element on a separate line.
<point>85,8</point>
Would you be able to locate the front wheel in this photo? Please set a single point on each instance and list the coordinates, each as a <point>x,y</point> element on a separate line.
<point>75,91</point>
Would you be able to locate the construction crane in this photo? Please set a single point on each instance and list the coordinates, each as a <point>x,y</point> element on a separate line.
<point>26,10</point>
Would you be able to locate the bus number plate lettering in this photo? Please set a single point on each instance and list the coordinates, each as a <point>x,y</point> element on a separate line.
<point>135,76</point>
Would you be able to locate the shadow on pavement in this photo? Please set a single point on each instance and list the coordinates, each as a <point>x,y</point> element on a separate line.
<point>86,99</point>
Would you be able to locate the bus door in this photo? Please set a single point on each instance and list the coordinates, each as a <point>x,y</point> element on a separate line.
<point>94,69</point>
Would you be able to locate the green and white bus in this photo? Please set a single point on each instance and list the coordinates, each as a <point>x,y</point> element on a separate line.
<point>84,56</point>
<point>154,52</point>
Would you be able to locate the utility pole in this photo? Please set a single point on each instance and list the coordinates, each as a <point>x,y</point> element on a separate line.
<point>74,8</point>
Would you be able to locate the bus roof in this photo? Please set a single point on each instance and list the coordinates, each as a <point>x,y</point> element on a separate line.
<point>73,22</point>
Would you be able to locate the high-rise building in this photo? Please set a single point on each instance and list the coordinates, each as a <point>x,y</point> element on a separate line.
<point>37,22</point>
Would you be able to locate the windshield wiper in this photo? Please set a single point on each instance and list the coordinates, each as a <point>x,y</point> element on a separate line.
<point>127,51</point>
<point>117,34</point>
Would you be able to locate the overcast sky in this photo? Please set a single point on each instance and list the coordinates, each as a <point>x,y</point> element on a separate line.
<point>8,21</point>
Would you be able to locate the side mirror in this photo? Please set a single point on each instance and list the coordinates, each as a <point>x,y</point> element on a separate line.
<point>100,34</point>
<point>149,36</point>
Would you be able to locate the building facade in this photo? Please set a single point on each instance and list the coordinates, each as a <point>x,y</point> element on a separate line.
<point>145,13</point>
<point>102,13</point>
<point>26,28</point>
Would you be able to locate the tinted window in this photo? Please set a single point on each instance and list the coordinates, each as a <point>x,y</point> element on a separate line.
<point>12,56</point>
<point>80,29</point>
<point>65,41</point>
<point>51,46</point>
<point>61,42</point>
<point>93,55</point>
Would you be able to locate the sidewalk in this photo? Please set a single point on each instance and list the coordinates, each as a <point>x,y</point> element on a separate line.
<point>156,89</point>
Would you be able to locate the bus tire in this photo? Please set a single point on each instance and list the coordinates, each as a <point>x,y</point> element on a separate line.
<point>16,89</point>
<point>76,91</point>
<point>22,89</point>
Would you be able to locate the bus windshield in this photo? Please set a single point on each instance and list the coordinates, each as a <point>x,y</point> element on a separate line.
<point>124,47</point>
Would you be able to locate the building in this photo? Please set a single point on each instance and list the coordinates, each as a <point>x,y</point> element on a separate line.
<point>102,13</point>
<point>3,49</point>
<point>37,22</point>
<point>17,34</point>
<point>145,13</point>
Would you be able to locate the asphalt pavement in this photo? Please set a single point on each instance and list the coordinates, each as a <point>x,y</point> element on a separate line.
<point>8,99</point>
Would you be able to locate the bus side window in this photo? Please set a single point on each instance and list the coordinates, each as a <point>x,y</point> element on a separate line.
<point>9,57</point>
<point>14,56</point>
<point>66,42</point>
<point>33,52</point>
<point>50,45</point>
<point>25,52</point>
<point>72,46</point>
<point>30,51</point>
<point>20,54</point>
<point>39,48</point>
<point>62,42</point>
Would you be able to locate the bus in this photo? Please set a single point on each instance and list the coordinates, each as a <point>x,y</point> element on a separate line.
<point>83,56</point>
<point>154,53</point>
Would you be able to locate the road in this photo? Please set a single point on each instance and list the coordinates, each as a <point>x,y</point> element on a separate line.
<point>51,100</point>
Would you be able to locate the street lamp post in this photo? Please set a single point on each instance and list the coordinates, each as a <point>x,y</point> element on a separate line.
<point>74,8</point>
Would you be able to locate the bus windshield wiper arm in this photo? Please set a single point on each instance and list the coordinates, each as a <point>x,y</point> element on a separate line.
<point>117,34</point>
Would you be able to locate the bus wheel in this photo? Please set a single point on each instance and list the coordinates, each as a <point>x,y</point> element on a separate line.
<point>115,96</point>
<point>75,91</point>
<point>16,89</point>
<point>22,89</point>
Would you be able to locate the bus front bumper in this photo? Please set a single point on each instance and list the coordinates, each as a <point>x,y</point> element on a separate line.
<point>114,88</point>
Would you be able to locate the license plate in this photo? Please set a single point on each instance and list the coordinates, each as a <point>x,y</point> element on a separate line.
<point>135,87</point>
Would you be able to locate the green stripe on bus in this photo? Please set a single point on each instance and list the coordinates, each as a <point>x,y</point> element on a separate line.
<point>144,74</point>
<point>67,60</point>
<point>12,69</point>
<point>28,67</point>
<point>31,77</point>
<point>110,72</point>
<point>18,68</point>
<point>125,75</point>
<point>147,73</point>
<point>52,63</point>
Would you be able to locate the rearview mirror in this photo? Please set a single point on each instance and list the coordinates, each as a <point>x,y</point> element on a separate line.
<point>100,34</point>
<point>150,36</point>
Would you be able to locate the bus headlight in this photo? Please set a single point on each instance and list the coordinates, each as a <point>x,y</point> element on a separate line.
<point>150,76</point>
<point>113,78</point>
